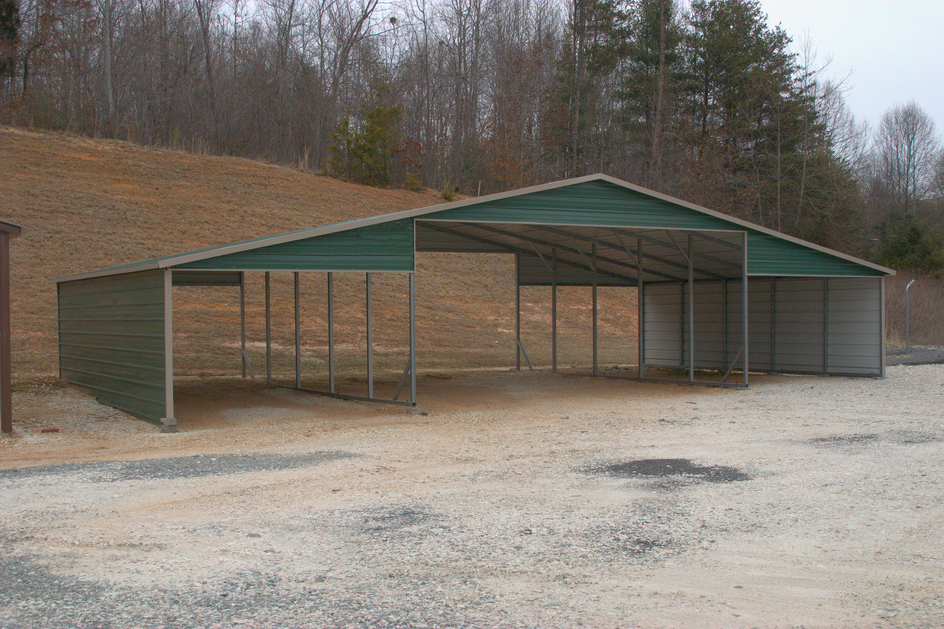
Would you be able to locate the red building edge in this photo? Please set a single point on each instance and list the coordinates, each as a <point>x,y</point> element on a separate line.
<point>7,231</point>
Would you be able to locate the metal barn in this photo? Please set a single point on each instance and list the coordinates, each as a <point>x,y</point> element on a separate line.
<point>714,292</point>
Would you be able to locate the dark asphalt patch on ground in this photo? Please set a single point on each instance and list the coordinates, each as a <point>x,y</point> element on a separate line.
<point>668,468</point>
<point>845,440</point>
<point>900,437</point>
<point>396,519</point>
<point>914,356</point>
<point>181,467</point>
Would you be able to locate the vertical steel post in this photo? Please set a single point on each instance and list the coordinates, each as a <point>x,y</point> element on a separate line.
<point>517,311</point>
<point>331,332</point>
<point>169,422</point>
<point>691,310</point>
<point>268,317</point>
<point>242,320</point>
<point>298,337</point>
<point>413,338</point>
<point>641,312</point>
<point>370,341</point>
<point>745,306</point>
<point>882,327</point>
<point>724,323</point>
<point>826,325</point>
<point>681,329</point>
<point>908,317</point>
<point>593,254</point>
<point>6,362</point>
<point>773,324</point>
<point>554,310</point>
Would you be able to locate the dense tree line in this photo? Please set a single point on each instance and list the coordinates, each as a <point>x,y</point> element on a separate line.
<point>703,101</point>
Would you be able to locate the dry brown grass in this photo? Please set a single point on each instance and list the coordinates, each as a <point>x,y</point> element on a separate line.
<point>87,204</point>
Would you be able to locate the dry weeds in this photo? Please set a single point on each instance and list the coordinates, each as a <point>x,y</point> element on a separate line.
<point>88,204</point>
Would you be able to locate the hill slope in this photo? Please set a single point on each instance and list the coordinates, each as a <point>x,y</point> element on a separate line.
<point>87,204</point>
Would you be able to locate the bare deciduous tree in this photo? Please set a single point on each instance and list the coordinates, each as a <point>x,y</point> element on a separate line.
<point>906,146</point>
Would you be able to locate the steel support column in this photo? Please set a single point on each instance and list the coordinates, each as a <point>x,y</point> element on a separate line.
<point>745,306</point>
<point>331,332</point>
<point>681,330</point>
<point>169,421</point>
<point>593,254</point>
<point>773,324</point>
<point>826,325</point>
<point>517,311</point>
<point>242,320</point>
<point>691,311</point>
<point>554,310</point>
<point>413,339</point>
<point>6,363</point>
<point>640,306</point>
<point>268,324</point>
<point>370,340</point>
<point>298,337</point>
<point>882,327</point>
<point>724,323</point>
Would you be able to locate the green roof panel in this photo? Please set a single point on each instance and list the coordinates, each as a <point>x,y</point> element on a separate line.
<point>379,247</point>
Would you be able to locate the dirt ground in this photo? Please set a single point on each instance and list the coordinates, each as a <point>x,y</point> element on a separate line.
<point>86,204</point>
<point>520,500</point>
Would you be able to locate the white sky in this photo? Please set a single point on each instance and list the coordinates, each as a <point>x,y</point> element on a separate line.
<point>894,49</point>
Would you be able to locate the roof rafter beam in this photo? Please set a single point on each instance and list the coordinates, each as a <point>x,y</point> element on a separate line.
<point>631,255</point>
<point>549,266</point>
<point>719,241</point>
<point>583,255</point>
<point>650,256</point>
<point>706,256</point>
<point>687,257</point>
<point>485,241</point>
<point>547,243</point>
<point>524,251</point>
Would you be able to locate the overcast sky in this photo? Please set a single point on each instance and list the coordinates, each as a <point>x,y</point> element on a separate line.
<point>894,49</point>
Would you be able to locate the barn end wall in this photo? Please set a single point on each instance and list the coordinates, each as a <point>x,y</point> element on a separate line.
<point>111,340</point>
<point>796,325</point>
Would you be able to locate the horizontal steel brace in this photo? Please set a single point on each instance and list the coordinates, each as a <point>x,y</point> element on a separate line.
<point>560,247</point>
<point>344,396</point>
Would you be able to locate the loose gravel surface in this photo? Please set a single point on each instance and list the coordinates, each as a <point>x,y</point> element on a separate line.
<point>521,500</point>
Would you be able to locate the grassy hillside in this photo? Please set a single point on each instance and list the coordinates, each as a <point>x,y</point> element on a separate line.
<point>87,204</point>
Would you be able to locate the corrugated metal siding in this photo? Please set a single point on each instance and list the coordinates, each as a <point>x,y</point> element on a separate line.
<point>709,325</point>
<point>716,307</point>
<point>787,320</point>
<point>662,312</point>
<point>854,328</point>
<point>799,320</point>
<point>380,247</point>
<point>111,340</point>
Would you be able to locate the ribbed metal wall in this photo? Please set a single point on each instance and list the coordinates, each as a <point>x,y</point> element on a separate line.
<point>663,316</point>
<point>796,325</point>
<point>854,326</point>
<point>799,317</point>
<point>111,340</point>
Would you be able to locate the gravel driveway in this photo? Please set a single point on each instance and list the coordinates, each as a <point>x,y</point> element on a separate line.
<point>521,500</point>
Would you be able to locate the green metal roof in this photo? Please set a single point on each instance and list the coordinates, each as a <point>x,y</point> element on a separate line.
<point>567,219</point>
